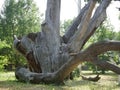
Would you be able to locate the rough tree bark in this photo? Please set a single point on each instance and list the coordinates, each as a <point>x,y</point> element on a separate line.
<point>51,57</point>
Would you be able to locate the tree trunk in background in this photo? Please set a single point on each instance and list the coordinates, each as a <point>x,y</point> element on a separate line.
<point>51,57</point>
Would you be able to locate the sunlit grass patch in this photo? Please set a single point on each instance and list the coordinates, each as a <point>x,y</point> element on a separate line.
<point>7,76</point>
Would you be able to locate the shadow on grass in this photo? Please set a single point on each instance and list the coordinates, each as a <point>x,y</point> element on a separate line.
<point>15,85</point>
<point>107,82</point>
<point>69,85</point>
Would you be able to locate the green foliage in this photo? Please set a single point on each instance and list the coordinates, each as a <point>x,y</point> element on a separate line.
<point>18,17</point>
<point>104,32</point>
<point>76,72</point>
<point>3,56</point>
<point>9,57</point>
<point>65,25</point>
<point>118,35</point>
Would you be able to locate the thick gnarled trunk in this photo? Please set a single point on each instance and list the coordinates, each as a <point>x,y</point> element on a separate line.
<point>51,59</point>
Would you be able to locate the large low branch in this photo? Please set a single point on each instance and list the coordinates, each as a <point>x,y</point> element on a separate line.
<point>106,65</point>
<point>25,75</point>
<point>89,54</point>
<point>103,46</point>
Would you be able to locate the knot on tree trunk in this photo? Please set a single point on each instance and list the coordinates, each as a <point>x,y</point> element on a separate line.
<point>32,36</point>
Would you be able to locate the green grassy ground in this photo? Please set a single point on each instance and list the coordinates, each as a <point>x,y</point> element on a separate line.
<point>107,82</point>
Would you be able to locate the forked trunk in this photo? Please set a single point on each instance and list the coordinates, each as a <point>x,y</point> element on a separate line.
<point>51,57</point>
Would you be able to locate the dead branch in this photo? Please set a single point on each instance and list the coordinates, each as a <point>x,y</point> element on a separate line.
<point>94,79</point>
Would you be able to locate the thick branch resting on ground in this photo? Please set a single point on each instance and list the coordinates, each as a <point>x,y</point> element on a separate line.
<point>89,54</point>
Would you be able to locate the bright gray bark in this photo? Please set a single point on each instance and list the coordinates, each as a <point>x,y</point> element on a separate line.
<point>51,60</point>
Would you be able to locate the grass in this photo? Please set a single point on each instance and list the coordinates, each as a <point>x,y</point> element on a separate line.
<point>107,82</point>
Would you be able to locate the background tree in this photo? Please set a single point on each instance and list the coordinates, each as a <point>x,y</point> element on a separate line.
<point>18,17</point>
<point>51,59</point>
